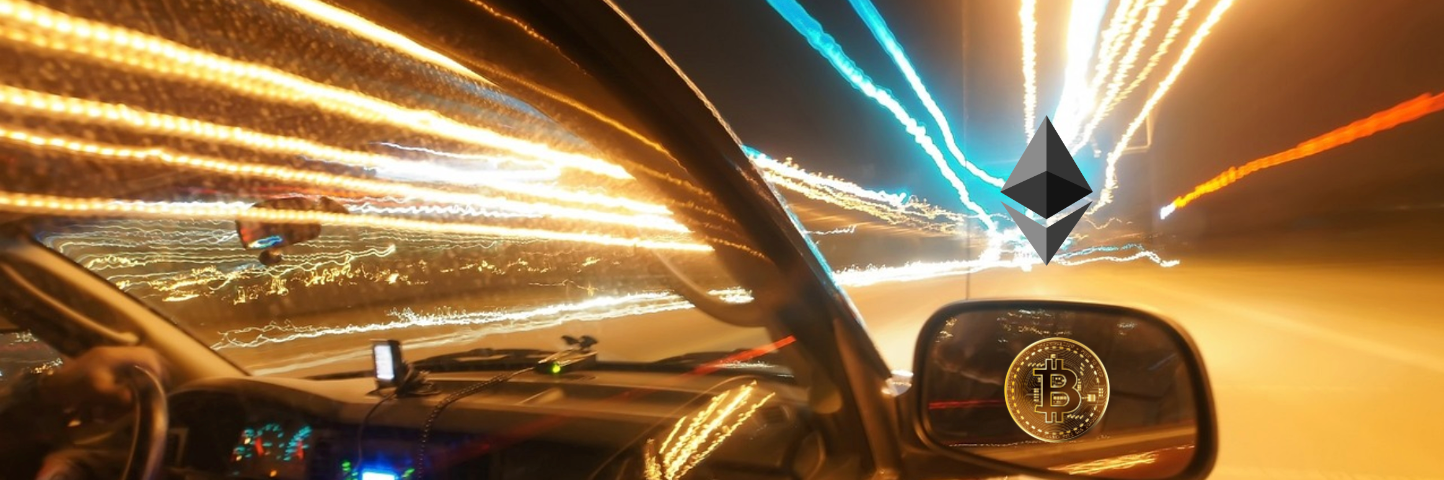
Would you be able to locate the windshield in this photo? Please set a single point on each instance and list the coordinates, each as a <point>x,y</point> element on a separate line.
<point>468,203</point>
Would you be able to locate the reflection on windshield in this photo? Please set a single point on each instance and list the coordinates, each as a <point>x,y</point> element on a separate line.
<point>475,215</point>
<point>694,437</point>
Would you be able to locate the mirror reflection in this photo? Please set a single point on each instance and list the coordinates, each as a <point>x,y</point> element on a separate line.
<point>271,237</point>
<point>1087,391</point>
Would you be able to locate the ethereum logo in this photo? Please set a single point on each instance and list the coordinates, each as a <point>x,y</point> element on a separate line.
<point>1046,181</point>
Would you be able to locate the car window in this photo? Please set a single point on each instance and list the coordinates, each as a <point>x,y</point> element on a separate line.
<point>469,200</point>
<point>20,351</point>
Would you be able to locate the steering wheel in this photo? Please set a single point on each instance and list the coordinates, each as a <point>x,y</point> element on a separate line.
<point>152,418</point>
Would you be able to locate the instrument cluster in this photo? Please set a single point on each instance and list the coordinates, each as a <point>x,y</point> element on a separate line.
<point>271,449</point>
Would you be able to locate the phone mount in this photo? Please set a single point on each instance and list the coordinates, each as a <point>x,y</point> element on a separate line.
<point>393,373</point>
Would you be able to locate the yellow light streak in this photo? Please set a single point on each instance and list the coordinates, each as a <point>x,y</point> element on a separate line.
<point>1082,41</point>
<point>166,157</point>
<point>1115,84</point>
<point>120,115</point>
<point>1115,463</point>
<point>119,46</point>
<point>157,55</point>
<point>705,430</point>
<point>1027,15</point>
<point>1168,38</point>
<point>1120,27</point>
<point>109,114</point>
<point>109,207</point>
<point>365,28</point>
<point>1111,173</point>
<point>895,209</point>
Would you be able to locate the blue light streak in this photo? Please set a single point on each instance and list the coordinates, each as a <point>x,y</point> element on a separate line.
<point>826,45</point>
<point>885,37</point>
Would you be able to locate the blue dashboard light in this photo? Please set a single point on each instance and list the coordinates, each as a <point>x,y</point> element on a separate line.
<point>378,475</point>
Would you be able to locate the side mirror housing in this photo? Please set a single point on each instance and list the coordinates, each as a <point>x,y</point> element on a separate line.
<point>1063,390</point>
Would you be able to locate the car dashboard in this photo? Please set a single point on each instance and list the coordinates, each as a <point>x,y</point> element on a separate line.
<point>579,425</point>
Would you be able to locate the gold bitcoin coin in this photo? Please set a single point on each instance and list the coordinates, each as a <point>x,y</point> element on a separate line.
<point>1056,389</point>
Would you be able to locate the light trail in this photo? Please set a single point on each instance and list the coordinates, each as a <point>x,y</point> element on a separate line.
<point>167,157</point>
<point>362,27</point>
<point>155,55</point>
<point>790,170</point>
<point>202,259</point>
<point>1400,114</point>
<point>1125,66</point>
<point>320,269</point>
<point>893,208</point>
<point>539,172</point>
<point>121,115</point>
<point>1169,38</point>
<point>107,114</point>
<point>109,207</point>
<point>498,321</point>
<point>1111,172</point>
<point>1028,18</point>
<point>1154,257</point>
<point>1120,25</point>
<point>826,45</point>
<point>135,50</point>
<point>519,319</point>
<point>1023,259</point>
<point>129,49</point>
<point>1122,462</point>
<point>1083,23</point>
<point>889,42</point>
<point>701,432</point>
<point>850,229</point>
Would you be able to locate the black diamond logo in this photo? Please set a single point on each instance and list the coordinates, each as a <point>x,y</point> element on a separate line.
<point>1046,181</point>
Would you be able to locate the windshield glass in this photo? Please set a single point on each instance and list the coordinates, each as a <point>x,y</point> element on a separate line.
<point>287,186</point>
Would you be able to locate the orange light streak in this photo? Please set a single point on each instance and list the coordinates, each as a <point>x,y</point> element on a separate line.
<point>1409,111</point>
<point>1111,172</point>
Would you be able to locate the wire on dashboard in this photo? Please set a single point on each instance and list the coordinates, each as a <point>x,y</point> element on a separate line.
<point>469,390</point>
<point>361,429</point>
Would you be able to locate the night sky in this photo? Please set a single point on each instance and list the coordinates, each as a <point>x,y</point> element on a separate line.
<point>1274,73</point>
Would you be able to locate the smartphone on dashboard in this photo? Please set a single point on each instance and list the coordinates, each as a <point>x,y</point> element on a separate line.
<point>389,367</point>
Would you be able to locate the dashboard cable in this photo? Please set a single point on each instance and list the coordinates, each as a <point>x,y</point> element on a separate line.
<point>413,384</point>
<point>361,429</point>
<point>469,390</point>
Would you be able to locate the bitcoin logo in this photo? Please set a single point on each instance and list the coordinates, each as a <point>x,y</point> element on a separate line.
<point>1056,389</point>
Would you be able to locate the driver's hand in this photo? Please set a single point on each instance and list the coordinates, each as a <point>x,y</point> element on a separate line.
<point>82,464</point>
<point>98,378</point>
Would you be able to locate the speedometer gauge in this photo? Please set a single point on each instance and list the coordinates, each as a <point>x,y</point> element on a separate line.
<point>271,450</point>
<point>259,443</point>
<point>297,444</point>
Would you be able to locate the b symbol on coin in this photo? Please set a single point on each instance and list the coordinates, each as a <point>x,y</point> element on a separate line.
<point>1056,389</point>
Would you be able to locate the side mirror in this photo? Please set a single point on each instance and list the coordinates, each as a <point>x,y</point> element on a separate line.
<point>1062,389</point>
<point>271,237</point>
